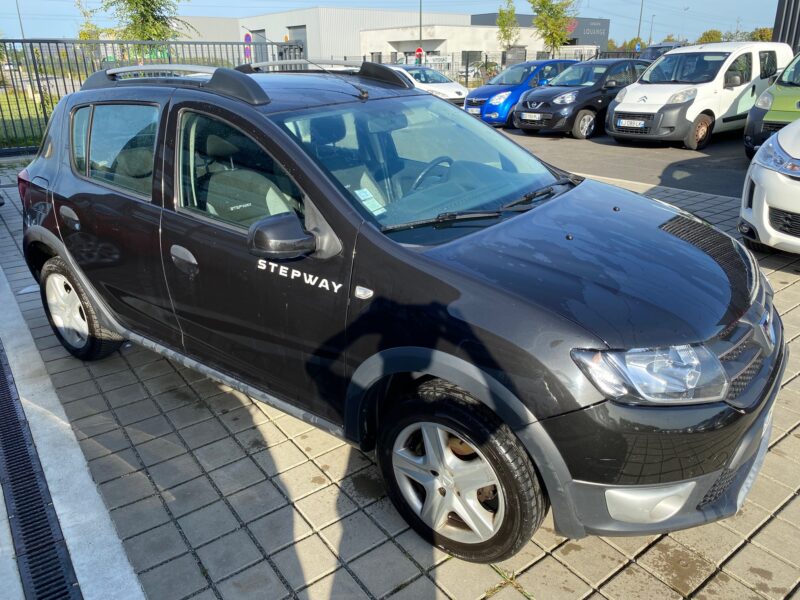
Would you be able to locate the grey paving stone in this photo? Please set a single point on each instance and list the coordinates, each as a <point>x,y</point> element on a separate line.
<point>160,449</point>
<point>139,516</point>
<point>136,411</point>
<point>155,368</point>
<point>174,471</point>
<point>305,562</point>
<point>229,554</point>
<point>163,383</point>
<point>66,378</point>
<point>112,364</point>
<point>173,580</point>
<point>125,395</point>
<point>219,453</point>
<point>190,496</point>
<point>256,501</point>
<point>206,524</point>
<point>103,444</point>
<point>259,582</point>
<point>189,414</point>
<point>176,398</point>
<point>76,391</point>
<point>203,433</point>
<point>116,380</point>
<point>155,546</point>
<point>325,506</point>
<point>261,437</point>
<point>279,529</point>
<point>77,409</point>
<point>339,585</point>
<point>280,458</point>
<point>114,465</point>
<point>125,490</point>
<point>384,569</point>
<point>236,476</point>
<point>94,425</point>
<point>243,418</point>
<point>149,429</point>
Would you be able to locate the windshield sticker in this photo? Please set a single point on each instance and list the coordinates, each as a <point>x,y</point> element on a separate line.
<point>369,201</point>
<point>307,278</point>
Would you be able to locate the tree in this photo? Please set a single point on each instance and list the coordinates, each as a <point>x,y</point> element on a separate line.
<point>761,34</point>
<point>89,30</point>
<point>670,37</point>
<point>735,36</point>
<point>507,25</point>
<point>147,19</point>
<point>553,19</point>
<point>630,45</point>
<point>612,45</point>
<point>710,36</point>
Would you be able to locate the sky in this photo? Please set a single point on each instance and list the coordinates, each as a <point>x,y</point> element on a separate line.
<point>683,18</point>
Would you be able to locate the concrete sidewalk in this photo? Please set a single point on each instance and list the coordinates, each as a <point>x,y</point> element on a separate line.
<point>215,496</point>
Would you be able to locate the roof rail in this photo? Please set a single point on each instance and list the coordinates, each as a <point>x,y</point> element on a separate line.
<point>366,69</point>
<point>224,81</point>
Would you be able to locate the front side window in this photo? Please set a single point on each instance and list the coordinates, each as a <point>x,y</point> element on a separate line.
<point>513,75</point>
<point>546,73</point>
<point>622,74</point>
<point>428,76</point>
<point>791,75</point>
<point>80,137</point>
<point>685,67</point>
<point>584,74</point>
<point>226,175</point>
<point>743,67</point>
<point>416,158</point>
<point>121,146</point>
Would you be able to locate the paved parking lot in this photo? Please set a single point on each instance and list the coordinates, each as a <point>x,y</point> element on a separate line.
<point>215,496</point>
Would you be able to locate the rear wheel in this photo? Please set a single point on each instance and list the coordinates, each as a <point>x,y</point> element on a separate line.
<point>585,124</point>
<point>71,314</point>
<point>458,475</point>
<point>699,133</point>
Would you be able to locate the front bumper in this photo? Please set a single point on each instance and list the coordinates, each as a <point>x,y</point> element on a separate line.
<point>552,119</point>
<point>769,212</point>
<point>636,470</point>
<point>669,123</point>
<point>762,124</point>
<point>493,114</point>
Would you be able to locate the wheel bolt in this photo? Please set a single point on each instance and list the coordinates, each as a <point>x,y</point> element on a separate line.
<point>435,473</point>
<point>442,491</point>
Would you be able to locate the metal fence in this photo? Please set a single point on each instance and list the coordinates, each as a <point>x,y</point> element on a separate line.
<point>35,74</point>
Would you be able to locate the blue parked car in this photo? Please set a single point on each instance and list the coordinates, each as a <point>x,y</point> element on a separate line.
<point>495,101</point>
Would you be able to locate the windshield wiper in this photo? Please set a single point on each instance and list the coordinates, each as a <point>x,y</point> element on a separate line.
<point>445,217</point>
<point>543,192</point>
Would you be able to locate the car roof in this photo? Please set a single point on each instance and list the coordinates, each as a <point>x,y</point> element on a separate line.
<point>608,61</point>
<point>726,47</point>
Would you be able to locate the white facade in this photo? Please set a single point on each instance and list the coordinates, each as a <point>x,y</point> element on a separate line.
<point>326,32</point>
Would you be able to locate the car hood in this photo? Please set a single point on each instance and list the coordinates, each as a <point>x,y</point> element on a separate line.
<point>451,90</point>
<point>487,91</point>
<point>632,271</point>
<point>649,97</point>
<point>785,98</point>
<point>789,139</point>
<point>546,93</point>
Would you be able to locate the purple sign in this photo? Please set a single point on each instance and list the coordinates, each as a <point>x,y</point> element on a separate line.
<point>247,51</point>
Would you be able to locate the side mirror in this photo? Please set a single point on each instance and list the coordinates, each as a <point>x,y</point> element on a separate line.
<point>280,236</point>
<point>539,82</point>
<point>611,84</point>
<point>733,80</point>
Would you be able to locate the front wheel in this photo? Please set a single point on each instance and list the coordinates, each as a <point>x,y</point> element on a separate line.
<point>458,475</point>
<point>699,133</point>
<point>585,124</point>
<point>757,246</point>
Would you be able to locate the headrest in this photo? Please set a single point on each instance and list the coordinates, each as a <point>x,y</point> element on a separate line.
<point>218,147</point>
<point>135,162</point>
<point>327,130</point>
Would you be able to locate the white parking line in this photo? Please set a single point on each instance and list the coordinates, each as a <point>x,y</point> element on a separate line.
<point>99,560</point>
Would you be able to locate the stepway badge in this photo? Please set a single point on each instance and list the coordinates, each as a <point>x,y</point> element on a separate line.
<point>307,278</point>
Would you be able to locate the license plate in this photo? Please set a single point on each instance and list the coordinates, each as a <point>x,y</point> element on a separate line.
<point>630,123</point>
<point>474,111</point>
<point>531,116</point>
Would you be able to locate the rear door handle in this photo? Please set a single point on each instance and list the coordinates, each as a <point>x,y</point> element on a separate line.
<point>184,260</point>
<point>70,217</point>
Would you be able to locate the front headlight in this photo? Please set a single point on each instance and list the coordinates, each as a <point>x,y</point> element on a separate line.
<point>672,375</point>
<point>765,100</point>
<point>683,96</point>
<point>621,94</point>
<point>771,156</point>
<point>567,98</point>
<point>499,98</point>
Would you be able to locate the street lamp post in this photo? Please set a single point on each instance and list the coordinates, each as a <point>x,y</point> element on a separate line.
<point>650,40</point>
<point>639,29</point>
<point>19,16</point>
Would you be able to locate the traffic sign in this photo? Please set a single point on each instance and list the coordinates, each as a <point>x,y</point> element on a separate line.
<point>638,46</point>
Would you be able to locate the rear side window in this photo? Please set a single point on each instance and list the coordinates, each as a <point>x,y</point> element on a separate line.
<point>121,146</point>
<point>80,137</point>
<point>769,63</point>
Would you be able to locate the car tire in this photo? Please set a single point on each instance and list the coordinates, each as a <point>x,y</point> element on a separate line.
<point>585,124</point>
<point>467,432</point>
<point>749,152</point>
<point>757,246</point>
<point>72,315</point>
<point>699,133</point>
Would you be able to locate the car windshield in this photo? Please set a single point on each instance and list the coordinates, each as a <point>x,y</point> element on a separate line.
<point>428,76</point>
<point>513,75</point>
<point>585,74</point>
<point>685,67</point>
<point>791,75</point>
<point>408,159</point>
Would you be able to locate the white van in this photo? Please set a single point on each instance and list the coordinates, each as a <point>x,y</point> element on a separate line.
<point>691,92</point>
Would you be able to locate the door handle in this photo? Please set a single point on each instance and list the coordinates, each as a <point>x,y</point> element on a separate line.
<point>184,260</point>
<point>70,217</point>
<point>753,91</point>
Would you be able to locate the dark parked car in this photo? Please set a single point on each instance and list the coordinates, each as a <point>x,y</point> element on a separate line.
<point>504,335</point>
<point>656,50</point>
<point>576,100</point>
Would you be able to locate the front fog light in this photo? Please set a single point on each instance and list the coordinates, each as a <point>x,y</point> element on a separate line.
<point>647,504</point>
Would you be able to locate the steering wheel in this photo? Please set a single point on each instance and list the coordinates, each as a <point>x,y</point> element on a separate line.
<point>439,160</point>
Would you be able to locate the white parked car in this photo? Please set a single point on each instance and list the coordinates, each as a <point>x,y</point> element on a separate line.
<point>434,82</point>
<point>691,92</point>
<point>770,212</point>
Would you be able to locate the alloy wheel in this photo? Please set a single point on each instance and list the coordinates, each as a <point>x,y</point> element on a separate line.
<point>448,483</point>
<point>66,310</point>
<point>587,125</point>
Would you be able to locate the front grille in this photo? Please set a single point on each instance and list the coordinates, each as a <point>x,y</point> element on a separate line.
<point>476,101</point>
<point>635,116</point>
<point>646,117</point>
<point>772,127</point>
<point>537,105</point>
<point>785,221</point>
<point>741,381</point>
<point>719,488</point>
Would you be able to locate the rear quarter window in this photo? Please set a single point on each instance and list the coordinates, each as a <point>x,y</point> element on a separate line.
<point>121,145</point>
<point>80,137</point>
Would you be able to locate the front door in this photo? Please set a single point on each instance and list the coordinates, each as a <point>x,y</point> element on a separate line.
<point>737,100</point>
<point>276,324</point>
<point>108,209</point>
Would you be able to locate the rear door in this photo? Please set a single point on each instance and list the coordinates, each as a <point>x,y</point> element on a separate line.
<point>107,202</point>
<point>275,324</point>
